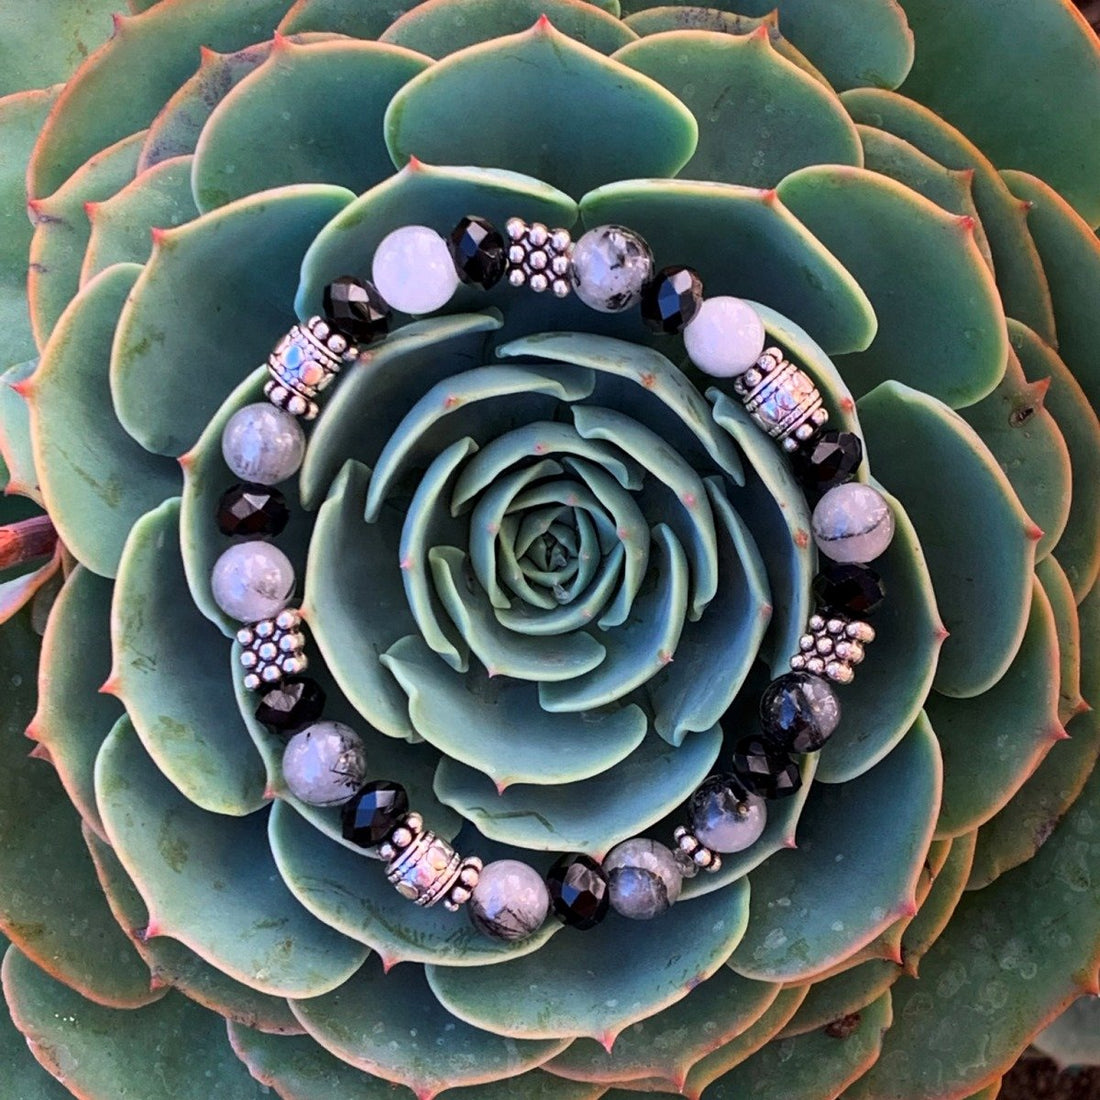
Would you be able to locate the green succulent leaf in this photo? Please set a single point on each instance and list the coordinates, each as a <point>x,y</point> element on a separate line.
<point>265,132</point>
<point>842,995</point>
<point>1071,1040</point>
<point>915,261</point>
<point>639,130</point>
<point>43,45</point>
<point>101,1050</point>
<point>20,476</point>
<point>760,116</point>
<point>939,469</point>
<point>1058,590</point>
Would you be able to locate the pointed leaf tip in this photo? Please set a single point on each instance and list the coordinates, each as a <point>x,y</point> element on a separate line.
<point>543,23</point>
<point>40,752</point>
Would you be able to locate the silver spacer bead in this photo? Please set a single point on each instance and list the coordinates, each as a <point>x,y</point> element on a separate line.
<point>782,399</point>
<point>538,257</point>
<point>303,363</point>
<point>422,866</point>
<point>699,854</point>
<point>832,647</point>
<point>272,648</point>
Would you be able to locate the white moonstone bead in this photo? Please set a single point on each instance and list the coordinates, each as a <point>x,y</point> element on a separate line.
<point>324,764</point>
<point>413,270</point>
<point>852,523</point>
<point>252,581</point>
<point>263,443</point>
<point>509,902</point>
<point>643,878</point>
<point>725,337</point>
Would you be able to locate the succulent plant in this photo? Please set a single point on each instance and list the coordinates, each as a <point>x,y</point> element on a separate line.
<point>546,565</point>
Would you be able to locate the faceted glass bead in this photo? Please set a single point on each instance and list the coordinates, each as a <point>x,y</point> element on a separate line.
<point>610,265</point>
<point>644,878</point>
<point>477,248</point>
<point>671,298</point>
<point>355,308</point>
<point>373,813</point>
<point>765,770</point>
<point>263,443</point>
<point>851,589</point>
<point>579,891</point>
<point>294,703</point>
<point>830,458</point>
<point>252,509</point>
<point>852,523</point>
<point>799,712</point>
<point>324,764</point>
<point>509,902</point>
<point>725,816</point>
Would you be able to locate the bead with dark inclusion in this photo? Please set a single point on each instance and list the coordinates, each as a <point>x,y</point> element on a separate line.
<point>477,248</point>
<point>725,816</point>
<point>644,878</point>
<point>373,813</point>
<point>764,769</point>
<point>799,712</point>
<point>849,588</point>
<point>579,891</point>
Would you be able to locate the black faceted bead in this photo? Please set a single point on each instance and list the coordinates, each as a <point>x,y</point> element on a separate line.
<point>764,769</point>
<point>292,704</point>
<point>251,509</point>
<point>850,589</point>
<point>829,459</point>
<point>354,308</point>
<point>478,251</point>
<point>373,813</point>
<point>799,712</point>
<point>579,891</point>
<point>671,298</point>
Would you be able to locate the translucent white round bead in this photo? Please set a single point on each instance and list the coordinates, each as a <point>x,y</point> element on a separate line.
<point>263,443</point>
<point>610,265</point>
<point>643,878</point>
<point>324,764</point>
<point>852,523</point>
<point>413,270</point>
<point>725,337</point>
<point>252,581</point>
<point>509,902</point>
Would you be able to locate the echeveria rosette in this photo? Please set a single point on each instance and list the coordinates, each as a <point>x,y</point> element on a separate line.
<point>169,883</point>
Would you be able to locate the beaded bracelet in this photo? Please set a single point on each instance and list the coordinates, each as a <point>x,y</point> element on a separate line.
<point>610,268</point>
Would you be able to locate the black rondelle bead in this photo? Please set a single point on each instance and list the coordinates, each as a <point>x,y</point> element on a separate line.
<point>764,769</point>
<point>251,509</point>
<point>849,588</point>
<point>670,299</point>
<point>292,704</point>
<point>799,712</point>
<point>579,891</point>
<point>356,309</point>
<point>477,248</point>
<point>829,459</point>
<point>373,813</point>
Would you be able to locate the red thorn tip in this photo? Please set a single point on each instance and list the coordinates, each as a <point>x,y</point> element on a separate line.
<point>761,32</point>
<point>1058,733</point>
<point>543,23</point>
<point>158,235</point>
<point>110,686</point>
<point>415,164</point>
<point>966,223</point>
<point>607,1040</point>
<point>186,461</point>
<point>388,963</point>
<point>150,931</point>
<point>118,19</point>
<point>23,388</point>
<point>269,794</point>
<point>910,908</point>
<point>40,752</point>
<point>1035,532</point>
<point>502,785</point>
<point>156,982</point>
<point>425,1093</point>
<point>207,55</point>
<point>32,731</point>
<point>790,842</point>
<point>279,41</point>
<point>90,208</point>
<point>769,197</point>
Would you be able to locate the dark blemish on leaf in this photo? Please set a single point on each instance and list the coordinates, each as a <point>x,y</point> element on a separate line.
<point>842,1028</point>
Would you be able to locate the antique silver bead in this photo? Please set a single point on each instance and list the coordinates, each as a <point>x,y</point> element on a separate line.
<point>303,363</point>
<point>272,649</point>
<point>832,647</point>
<point>782,399</point>
<point>422,867</point>
<point>538,257</point>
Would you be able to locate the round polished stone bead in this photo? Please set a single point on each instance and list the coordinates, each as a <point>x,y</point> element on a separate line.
<point>852,523</point>
<point>252,509</point>
<point>830,458</point>
<point>764,769</point>
<point>252,581</point>
<point>355,309</point>
<point>671,298</point>
<point>799,712</point>
<point>413,270</point>
<point>579,890</point>
<point>373,813</point>
<point>324,764</point>
<point>263,443</point>
<point>849,589</point>
<point>295,702</point>
<point>725,337</point>
<point>643,877</point>
<point>610,266</point>
<point>725,816</point>
<point>478,251</point>
<point>509,902</point>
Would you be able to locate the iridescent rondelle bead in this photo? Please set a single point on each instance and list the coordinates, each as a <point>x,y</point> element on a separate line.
<point>263,443</point>
<point>509,902</point>
<point>324,764</point>
<point>644,878</point>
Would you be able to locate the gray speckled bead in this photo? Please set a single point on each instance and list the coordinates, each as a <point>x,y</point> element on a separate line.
<point>724,816</point>
<point>509,902</point>
<point>610,264</point>
<point>252,581</point>
<point>644,878</point>
<point>324,764</point>
<point>263,443</point>
<point>852,523</point>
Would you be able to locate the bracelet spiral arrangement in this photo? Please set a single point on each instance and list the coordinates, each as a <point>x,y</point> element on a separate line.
<point>610,268</point>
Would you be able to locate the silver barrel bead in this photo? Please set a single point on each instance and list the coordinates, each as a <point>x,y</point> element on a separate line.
<point>782,399</point>
<point>426,869</point>
<point>303,363</point>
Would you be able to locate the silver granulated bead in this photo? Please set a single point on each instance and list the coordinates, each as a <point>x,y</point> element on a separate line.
<point>422,867</point>
<point>690,846</point>
<point>833,647</point>
<point>782,399</point>
<point>538,257</point>
<point>303,363</point>
<point>272,648</point>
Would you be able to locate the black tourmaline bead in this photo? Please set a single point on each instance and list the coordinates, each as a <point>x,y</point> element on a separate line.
<point>671,298</point>
<point>829,459</point>
<point>477,249</point>
<point>764,769</point>
<point>799,712</point>
<point>579,891</point>
<point>849,589</point>
<point>250,509</point>
<point>292,704</point>
<point>354,308</point>
<point>373,813</point>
